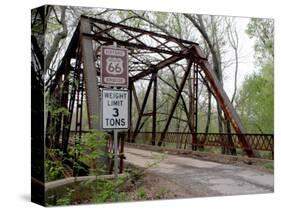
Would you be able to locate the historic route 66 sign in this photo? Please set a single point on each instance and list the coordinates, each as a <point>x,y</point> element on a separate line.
<point>114,66</point>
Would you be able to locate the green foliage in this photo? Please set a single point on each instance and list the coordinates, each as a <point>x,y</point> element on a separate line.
<point>141,193</point>
<point>66,200</point>
<point>37,28</point>
<point>53,168</point>
<point>105,191</point>
<point>92,149</point>
<point>255,100</point>
<point>56,112</point>
<point>262,30</point>
<point>53,25</point>
<point>269,166</point>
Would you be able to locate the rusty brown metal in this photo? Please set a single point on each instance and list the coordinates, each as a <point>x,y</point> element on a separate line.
<point>117,25</point>
<point>159,66</point>
<point>258,142</point>
<point>142,109</point>
<point>143,63</point>
<point>130,108</point>
<point>154,109</point>
<point>175,102</point>
<point>90,76</point>
<point>194,105</point>
<point>224,101</point>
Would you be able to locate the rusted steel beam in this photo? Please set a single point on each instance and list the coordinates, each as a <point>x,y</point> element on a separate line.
<point>130,110</point>
<point>173,59</point>
<point>194,105</point>
<point>154,111</point>
<point>79,104</point>
<point>121,154</point>
<point>163,134</point>
<point>181,97</point>
<point>132,36</point>
<point>224,102</point>
<point>160,65</point>
<point>142,109</point>
<point>259,142</point>
<point>109,28</point>
<point>117,25</point>
<point>90,76</point>
<point>141,61</point>
<point>130,44</point>
<point>147,114</point>
<point>162,44</point>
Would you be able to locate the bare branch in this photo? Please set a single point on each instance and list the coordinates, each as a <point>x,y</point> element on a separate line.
<point>61,35</point>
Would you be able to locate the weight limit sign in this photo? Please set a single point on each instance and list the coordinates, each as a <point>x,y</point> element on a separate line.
<point>115,113</point>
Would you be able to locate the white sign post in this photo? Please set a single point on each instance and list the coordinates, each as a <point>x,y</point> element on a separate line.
<point>115,102</point>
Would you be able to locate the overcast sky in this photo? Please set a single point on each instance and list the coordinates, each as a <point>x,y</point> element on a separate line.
<point>246,61</point>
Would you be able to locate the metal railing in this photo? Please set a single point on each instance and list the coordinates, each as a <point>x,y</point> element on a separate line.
<point>263,144</point>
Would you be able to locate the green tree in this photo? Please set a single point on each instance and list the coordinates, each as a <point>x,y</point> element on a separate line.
<point>255,101</point>
<point>262,30</point>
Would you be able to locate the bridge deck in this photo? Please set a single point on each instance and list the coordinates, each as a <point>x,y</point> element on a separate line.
<point>203,178</point>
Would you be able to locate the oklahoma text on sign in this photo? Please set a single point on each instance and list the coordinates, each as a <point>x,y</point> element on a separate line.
<point>114,66</point>
<point>115,109</point>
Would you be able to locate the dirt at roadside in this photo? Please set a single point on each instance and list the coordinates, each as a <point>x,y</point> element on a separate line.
<point>153,187</point>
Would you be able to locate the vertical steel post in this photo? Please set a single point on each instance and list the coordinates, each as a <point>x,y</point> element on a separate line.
<point>163,134</point>
<point>90,75</point>
<point>194,99</point>
<point>129,139</point>
<point>91,83</point>
<point>153,140</point>
<point>142,109</point>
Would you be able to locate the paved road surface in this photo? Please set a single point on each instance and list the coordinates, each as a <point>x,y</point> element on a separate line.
<point>203,178</point>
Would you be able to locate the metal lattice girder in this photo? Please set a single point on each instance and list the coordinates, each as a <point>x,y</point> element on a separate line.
<point>154,110</point>
<point>143,107</point>
<point>224,101</point>
<point>175,102</point>
<point>90,75</point>
<point>145,58</point>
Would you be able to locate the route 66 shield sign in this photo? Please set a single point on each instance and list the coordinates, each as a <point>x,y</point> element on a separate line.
<point>114,66</point>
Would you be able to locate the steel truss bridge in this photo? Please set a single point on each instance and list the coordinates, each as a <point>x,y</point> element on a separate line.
<point>77,82</point>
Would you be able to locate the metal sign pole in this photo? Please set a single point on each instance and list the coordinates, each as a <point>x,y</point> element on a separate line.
<point>114,73</point>
<point>115,135</point>
<point>115,143</point>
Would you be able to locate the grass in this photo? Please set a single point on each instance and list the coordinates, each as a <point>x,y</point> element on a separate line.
<point>269,166</point>
<point>141,193</point>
